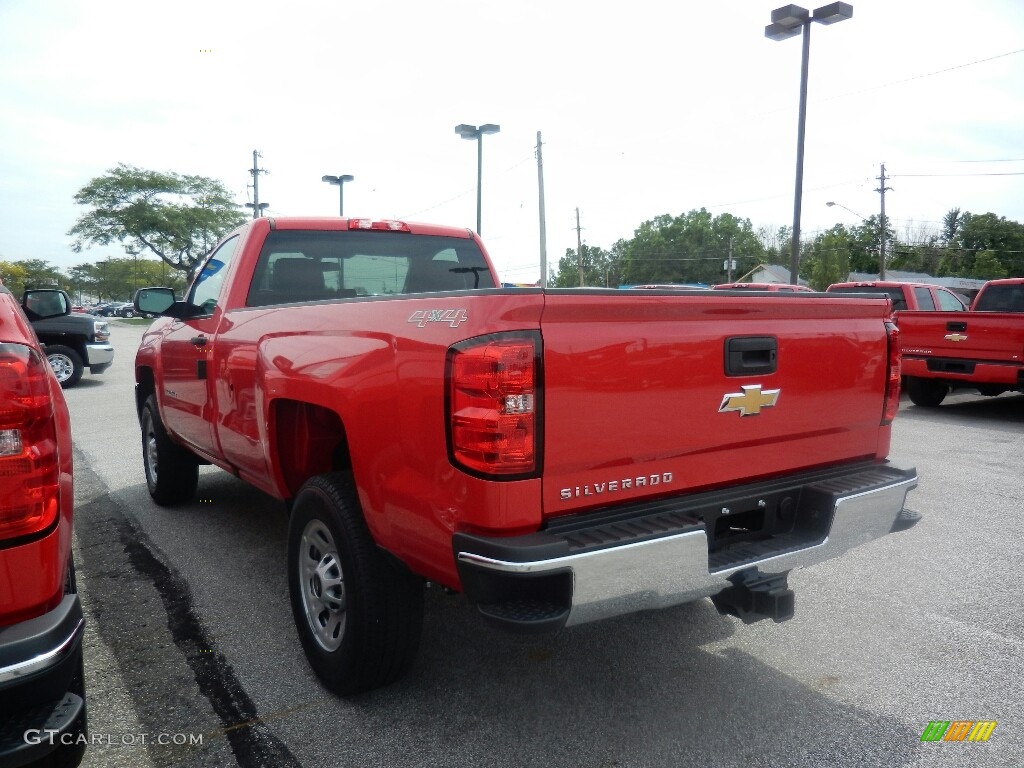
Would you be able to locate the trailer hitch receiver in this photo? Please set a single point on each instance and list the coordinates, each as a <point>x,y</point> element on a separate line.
<point>754,596</point>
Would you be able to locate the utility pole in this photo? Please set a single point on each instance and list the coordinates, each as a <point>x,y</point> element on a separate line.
<point>881,224</point>
<point>729,270</point>
<point>257,207</point>
<point>543,223</point>
<point>579,247</point>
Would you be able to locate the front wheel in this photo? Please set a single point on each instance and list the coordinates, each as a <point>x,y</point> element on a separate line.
<point>927,393</point>
<point>66,363</point>
<point>359,616</point>
<point>172,472</point>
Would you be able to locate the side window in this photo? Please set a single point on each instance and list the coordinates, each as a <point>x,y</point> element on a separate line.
<point>949,302</point>
<point>207,288</point>
<point>924,298</point>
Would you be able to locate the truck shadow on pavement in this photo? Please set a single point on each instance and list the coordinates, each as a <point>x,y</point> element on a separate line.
<point>192,603</point>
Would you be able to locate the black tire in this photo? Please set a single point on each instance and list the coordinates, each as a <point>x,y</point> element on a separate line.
<point>927,393</point>
<point>359,616</point>
<point>67,364</point>
<point>129,313</point>
<point>172,472</point>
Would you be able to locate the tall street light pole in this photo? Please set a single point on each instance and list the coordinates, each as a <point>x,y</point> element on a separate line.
<point>789,21</point>
<point>340,181</point>
<point>477,132</point>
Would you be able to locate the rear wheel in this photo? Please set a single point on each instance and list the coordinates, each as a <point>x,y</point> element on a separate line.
<point>359,616</point>
<point>928,393</point>
<point>66,363</point>
<point>172,472</point>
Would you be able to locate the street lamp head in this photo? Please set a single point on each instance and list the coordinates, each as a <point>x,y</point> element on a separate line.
<point>337,179</point>
<point>780,32</point>
<point>466,131</point>
<point>790,16</point>
<point>490,128</point>
<point>789,20</point>
<point>830,203</point>
<point>833,12</point>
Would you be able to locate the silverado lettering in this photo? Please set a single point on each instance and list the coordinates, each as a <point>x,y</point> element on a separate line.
<point>611,486</point>
<point>529,452</point>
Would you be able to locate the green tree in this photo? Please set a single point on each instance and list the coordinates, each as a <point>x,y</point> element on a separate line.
<point>599,268</point>
<point>988,266</point>
<point>177,218</point>
<point>829,258</point>
<point>30,273</point>
<point>690,248</point>
<point>967,236</point>
<point>14,276</point>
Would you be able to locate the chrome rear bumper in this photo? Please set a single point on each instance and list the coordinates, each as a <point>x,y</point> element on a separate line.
<point>662,554</point>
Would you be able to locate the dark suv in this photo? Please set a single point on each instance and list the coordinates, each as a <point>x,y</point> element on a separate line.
<point>42,685</point>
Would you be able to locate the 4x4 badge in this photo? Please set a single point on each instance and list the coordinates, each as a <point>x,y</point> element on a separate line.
<point>750,401</point>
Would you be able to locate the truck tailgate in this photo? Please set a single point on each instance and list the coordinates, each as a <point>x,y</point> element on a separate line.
<point>988,336</point>
<point>667,394</point>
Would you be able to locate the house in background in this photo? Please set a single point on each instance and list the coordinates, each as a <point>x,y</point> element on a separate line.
<point>769,273</point>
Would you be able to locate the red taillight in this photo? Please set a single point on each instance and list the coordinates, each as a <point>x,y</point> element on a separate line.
<point>893,372</point>
<point>493,393</point>
<point>29,466</point>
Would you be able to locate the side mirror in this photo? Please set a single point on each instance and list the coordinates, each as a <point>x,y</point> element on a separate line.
<point>41,303</point>
<point>154,301</point>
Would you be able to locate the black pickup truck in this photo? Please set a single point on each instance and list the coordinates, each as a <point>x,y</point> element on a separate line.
<point>72,342</point>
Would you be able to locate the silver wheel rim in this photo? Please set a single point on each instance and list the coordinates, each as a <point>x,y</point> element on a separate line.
<point>322,585</point>
<point>62,366</point>
<point>149,451</point>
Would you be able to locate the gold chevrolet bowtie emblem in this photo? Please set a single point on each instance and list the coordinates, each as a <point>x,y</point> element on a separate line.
<point>750,401</point>
<point>956,337</point>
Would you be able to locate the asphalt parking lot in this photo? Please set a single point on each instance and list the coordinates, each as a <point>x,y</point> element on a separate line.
<point>193,660</point>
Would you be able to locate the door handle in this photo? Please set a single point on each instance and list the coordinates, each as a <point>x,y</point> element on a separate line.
<point>198,341</point>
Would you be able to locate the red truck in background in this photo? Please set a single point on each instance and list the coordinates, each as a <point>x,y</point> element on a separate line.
<point>558,456</point>
<point>906,296</point>
<point>982,349</point>
<point>42,685</point>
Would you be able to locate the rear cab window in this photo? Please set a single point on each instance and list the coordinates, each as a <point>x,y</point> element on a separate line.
<point>1001,298</point>
<point>300,266</point>
<point>899,302</point>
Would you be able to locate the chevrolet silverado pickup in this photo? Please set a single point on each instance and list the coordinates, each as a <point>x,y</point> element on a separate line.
<point>557,456</point>
<point>906,296</point>
<point>981,349</point>
<point>42,686</point>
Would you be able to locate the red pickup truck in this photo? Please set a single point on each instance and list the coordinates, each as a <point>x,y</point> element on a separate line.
<point>559,456</point>
<point>982,349</point>
<point>906,296</point>
<point>42,686</point>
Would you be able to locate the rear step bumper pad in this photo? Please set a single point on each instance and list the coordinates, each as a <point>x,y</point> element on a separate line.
<point>583,586</point>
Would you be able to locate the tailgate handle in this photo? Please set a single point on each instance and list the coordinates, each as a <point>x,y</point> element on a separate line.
<point>751,355</point>
<point>958,327</point>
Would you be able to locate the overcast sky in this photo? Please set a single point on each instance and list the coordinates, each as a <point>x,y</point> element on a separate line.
<point>646,108</point>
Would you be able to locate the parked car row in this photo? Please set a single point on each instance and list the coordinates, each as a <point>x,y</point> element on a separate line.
<point>114,309</point>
